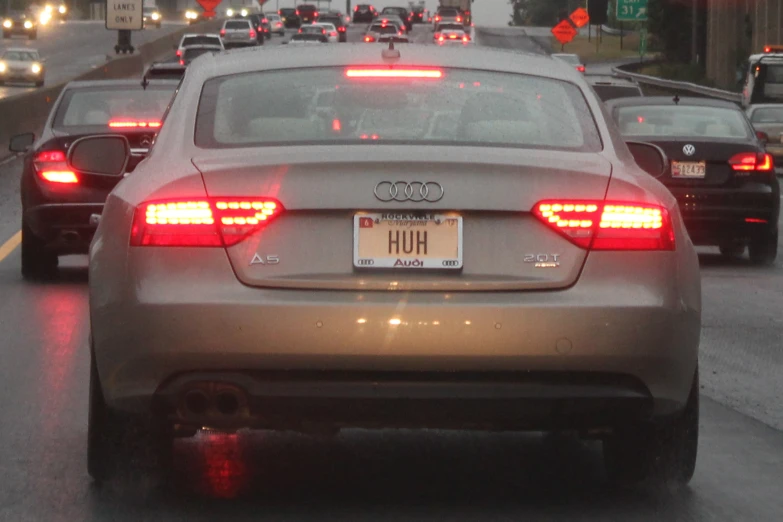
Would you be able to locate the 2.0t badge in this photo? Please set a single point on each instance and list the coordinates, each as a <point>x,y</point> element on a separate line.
<point>543,260</point>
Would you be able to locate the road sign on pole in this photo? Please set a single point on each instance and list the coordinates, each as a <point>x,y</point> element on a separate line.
<point>580,17</point>
<point>124,15</point>
<point>632,10</point>
<point>209,7</point>
<point>564,32</point>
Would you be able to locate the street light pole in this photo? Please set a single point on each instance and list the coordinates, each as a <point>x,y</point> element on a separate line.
<point>694,32</point>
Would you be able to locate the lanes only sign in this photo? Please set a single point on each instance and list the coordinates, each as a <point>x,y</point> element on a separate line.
<point>124,15</point>
<point>564,32</point>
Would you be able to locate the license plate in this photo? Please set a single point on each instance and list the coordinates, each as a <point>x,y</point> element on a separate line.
<point>688,169</point>
<point>395,240</point>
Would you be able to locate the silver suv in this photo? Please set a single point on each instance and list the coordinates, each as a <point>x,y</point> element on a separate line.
<point>238,33</point>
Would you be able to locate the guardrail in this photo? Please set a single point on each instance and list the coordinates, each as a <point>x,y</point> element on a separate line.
<point>660,86</point>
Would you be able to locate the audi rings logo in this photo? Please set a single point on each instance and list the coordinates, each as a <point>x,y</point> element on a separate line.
<point>415,191</point>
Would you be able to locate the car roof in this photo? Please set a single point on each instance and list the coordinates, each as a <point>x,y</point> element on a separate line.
<point>114,84</point>
<point>279,57</point>
<point>765,106</point>
<point>669,100</point>
<point>204,46</point>
<point>20,49</point>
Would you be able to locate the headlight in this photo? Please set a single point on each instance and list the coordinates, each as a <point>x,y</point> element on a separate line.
<point>36,68</point>
<point>43,19</point>
<point>191,15</point>
<point>7,24</point>
<point>28,25</point>
<point>243,12</point>
<point>156,16</point>
<point>2,67</point>
<point>48,8</point>
<point>62,9</point>
<point>229,12</point>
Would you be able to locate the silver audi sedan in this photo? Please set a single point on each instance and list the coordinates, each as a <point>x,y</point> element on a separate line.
<point>456,238</point>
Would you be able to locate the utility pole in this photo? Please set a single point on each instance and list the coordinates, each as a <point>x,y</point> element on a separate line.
<point>694,32</point>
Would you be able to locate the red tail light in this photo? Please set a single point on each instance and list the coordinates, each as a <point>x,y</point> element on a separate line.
<point>369,39</point>
<point>453,36</point>
<point>333,33</point>
<point>752,161</point>
<point>609,225</point>
<point>459,18</point>
<point>341,29</point>
<point>129,124</point>
<point>394,73</point>
<point>252,34</point>
<point>465,38</point>
<point>300,30</point>
<point>213,222</point>
<point>264,20</point>
<point>179,53</point>
<point>222,32</point>
<point>440,38</point>
<point>580,68</point>
<point>297,12</point>
<point>355,9</point>
<point>51,167</point>
<point>337,126</point>
<point>437,18</point>
<point>182,62</point>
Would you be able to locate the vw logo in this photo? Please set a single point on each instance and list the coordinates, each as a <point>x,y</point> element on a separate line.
<point>415,191</point>
<point>689,150</point>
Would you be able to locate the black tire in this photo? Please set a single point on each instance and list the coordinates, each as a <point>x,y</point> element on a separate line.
<point>120,445</point>
<point>37,262</point>
<point>732,250</point>
<point>764,249</point>
<point>658,453</point>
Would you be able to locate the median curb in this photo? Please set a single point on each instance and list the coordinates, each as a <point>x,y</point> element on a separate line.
<point>27,112</point>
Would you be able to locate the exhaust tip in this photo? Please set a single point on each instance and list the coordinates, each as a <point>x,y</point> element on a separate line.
<point>227,403</point>
<point>196,402</point>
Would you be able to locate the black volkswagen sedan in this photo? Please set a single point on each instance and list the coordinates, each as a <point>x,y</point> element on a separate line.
<point>720,173</point>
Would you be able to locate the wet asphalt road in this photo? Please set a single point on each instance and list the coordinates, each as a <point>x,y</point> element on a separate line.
<point>390,475</point>
<point>72,48</point>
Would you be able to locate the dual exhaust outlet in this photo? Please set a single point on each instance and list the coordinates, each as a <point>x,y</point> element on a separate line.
<point>225,401</point>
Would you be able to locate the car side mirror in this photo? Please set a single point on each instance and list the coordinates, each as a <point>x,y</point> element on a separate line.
<point>650,158</point>
<point>106,155</point>
<point>21,142</point>
<point>763,137</point>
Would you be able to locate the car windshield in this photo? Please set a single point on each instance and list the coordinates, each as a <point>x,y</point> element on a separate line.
<point>611,92</point>
<point>237,24</point>
<point>99,106</point>
<point>767,115</point>
<point>384,29</point>
<point>312,29</point>
<point>273,17</point>
<point>22,56</point>
<point>683,121</point>
<point>200,40</point>
<point>568,58</point>
<point>492,109</point>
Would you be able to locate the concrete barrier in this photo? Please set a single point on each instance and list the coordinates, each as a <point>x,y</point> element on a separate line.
<point>27,112</point>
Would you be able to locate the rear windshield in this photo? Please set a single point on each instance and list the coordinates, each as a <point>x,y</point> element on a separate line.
<point>384,29</point>
<point>395,39</point>
<point>452,27</point>
<point>393,10</point>
<point>272,17</point>
<point>679,121</point>
<point>22,56</point>
<point>99,106</point>
<point>448,11</point>
<point>200,40</point>
<point>331,19</point>
<point>486,108</point>
<point>569,58</point>
<point>312,29</point>
<point>311,37</point>
<point>767,115</point>
<point>307,9</point>
<point>287,11</point>
<point>611,92</point>
<point>192,53</point>
<point>237,24</point>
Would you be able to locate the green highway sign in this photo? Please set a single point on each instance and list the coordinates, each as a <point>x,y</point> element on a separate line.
<point>632,10</point>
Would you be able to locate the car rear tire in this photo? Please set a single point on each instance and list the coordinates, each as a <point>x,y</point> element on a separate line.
<point>120,445</point>
<point>661,453</point>
<point>764,249</point>
<point>37,262</point>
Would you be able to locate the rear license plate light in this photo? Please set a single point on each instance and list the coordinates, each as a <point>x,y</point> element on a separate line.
<point>407,241</point>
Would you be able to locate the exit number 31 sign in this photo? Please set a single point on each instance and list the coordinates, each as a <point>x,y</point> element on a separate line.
<point>124,15</point>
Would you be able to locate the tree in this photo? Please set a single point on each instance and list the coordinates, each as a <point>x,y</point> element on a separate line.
<point>670,22</point>
<point>538,12</point>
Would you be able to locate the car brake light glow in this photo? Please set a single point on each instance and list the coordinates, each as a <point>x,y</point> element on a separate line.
<point>127,124</point>
<point>453,36</point>
<point>369,39</point>
<point>264,20</point>
<point>580,68</point>
<point>437,18</point>
<point>51,167</point>
<point>297,12</point>
<point>755,220</point>
<point>356,8</point>
<point>745,161</point>
<point>609,225</point>
<point>213,222</point>
<point>440,38</point>
<point>336,125</point>
<point>394,73</point>
<point>179,52</point>
<point>252,34</point>
<point>333,33</point>
<point>182,62</point>
<point>459,18</point>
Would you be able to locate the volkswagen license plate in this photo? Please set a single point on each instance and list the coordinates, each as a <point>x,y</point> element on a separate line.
<point>689,169</point>
<point>399,240</point>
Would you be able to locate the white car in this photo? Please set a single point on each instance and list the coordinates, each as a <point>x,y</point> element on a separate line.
<point>308,39</point>
<point>451,33</point>
<point>331,31</point>
<point>190,39</point>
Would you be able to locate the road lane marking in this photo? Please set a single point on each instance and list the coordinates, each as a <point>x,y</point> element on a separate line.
<point>10,245</point>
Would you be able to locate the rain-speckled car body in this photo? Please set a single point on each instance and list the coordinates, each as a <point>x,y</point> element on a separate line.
<point>533,332</point>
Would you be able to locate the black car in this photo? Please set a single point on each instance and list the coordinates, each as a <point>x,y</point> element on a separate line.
<point>192,52</point>
<point>20,23</point>
<point>419,15</point>
<point>610,87</point>
<point>364,14</point>
<point>61,206</point>
<point>339,23</point>
<point>720,173</point>
<point>263,29</point>
<point>308,13</point>
<point>290,17</point>
<point>402,12</point>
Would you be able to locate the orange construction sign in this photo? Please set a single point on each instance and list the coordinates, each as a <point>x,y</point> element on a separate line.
<point>564,32</point>
<point>580,17</point>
